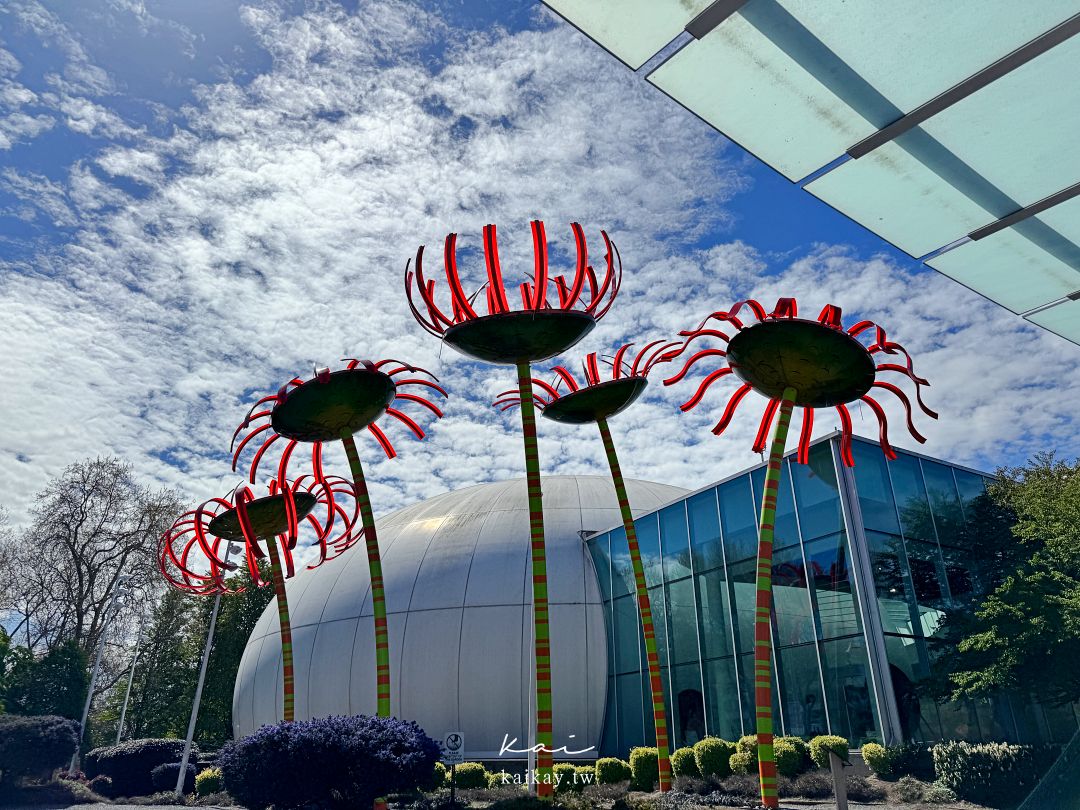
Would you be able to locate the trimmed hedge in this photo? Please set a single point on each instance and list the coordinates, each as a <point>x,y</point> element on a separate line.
<point>164,777</point>
<point>747,744</point>
<point>644,768</point>
<point>612,771</point>
<point>208,781</point>
<point>439,775</point>
<point>821,745</point>
<point>712,756</point>
<point>35,746</point>
<point>683,763</point>
<point>742,762</point>
<point>983,772</point>
<point>469,775</point>
<point>789,758</point>
<point>911,759</point>
<point>565,778</point>
<point>130,764</point>
<point>334,762</point>
<point>876,758</point>
<point>803,747</point>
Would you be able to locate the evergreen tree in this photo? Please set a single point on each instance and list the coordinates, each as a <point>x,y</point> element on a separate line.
<point>56,683</point>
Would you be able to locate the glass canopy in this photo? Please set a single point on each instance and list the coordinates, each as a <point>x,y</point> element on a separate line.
<point>926,122</point>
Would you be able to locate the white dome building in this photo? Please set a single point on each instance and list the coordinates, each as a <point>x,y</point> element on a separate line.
<point>456,569</point>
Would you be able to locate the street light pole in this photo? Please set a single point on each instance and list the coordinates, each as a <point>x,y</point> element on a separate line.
<point>118,591</point>
<point>199,687</point>
<point>127,692</point>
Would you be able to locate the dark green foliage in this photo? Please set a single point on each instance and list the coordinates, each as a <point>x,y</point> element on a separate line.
<point>58,793</point>
<point>164,777</point>
<point>644,768</point>
<point>130,764</point>
<point>335,762</point>
<point>803,747</point>
<point>611,771</point>
<point>683,762</point>
<point>712,756</point>
<point>989,772</point>
<point>54,684</point>
<point>564,776</point>
<point>910,759</point>
<point>35,746</point>
<point>439,776</point>
<point>821,745</point>
<point>470,775</point>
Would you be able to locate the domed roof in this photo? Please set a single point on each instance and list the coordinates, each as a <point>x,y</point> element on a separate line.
<point>458,598</point>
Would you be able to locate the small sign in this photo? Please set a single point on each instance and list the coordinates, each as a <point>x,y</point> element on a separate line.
<point>453,748</point>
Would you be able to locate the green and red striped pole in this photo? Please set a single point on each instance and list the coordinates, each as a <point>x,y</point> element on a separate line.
<point>289,690</point>
<point>663,745</point>
<point>542,644</point>
<point>763,612</point>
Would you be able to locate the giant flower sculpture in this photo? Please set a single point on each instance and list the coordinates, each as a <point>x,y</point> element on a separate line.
<point>556,312</point>
<point>193,553</point>
<point>596,401</point>
<point>332,406</point>
<point>793,362</point>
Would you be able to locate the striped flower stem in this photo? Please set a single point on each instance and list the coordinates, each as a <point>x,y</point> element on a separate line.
<point>763,605</point>
<point>286,631</point>
<point>542,651</point>
<point>378,592</point>
<point>663,745</point>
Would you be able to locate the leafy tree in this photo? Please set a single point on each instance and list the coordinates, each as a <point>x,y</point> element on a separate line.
<point>53,684</point>
<point>1026,633</point>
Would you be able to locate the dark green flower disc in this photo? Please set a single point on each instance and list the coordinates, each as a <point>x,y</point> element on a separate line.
<point>825,366</point>
<point>597,401</point>
<point>267,516</point>
<point>347,401</point>
<point>512,337</point>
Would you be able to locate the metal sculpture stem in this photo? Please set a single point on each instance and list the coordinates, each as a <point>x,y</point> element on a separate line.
<point>763,612</point>
<point>663,749</point>
<point>286,631</point>
<point>542,643</point>
<point>378,592</point>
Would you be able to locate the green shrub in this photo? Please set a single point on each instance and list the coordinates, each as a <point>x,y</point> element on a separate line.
<point>35,746</point>
<point>742,762</point>
<point>747,744</point>
<point>439,776</point>
<point>876,757</point>
<point>164,778</point>
<point>711,756</point>
<point>495,779</point>
<point>208,781</point>
<point>909,790</point>
<point>789,759</point>
<point>611,771</point>
<point>861,789</point>
<point>938,793</point>
<point>564,778</point>
<point>644,769</point>
<point>803,747</point>
<point>980,772</point>
<point>470,775</point>
<point>585,775</point>
<point>683,762</point>
<point>130,764</point>
<point>911,759</point>
<point>821,745</point>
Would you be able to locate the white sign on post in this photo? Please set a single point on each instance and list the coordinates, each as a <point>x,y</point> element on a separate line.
<point>453,748</point>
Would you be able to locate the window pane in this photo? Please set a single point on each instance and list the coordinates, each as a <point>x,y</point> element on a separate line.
<point>659,615</point>
<point>830,576</point>
<point>785,528</point>
<point>627,634</point>
<point>908,666</point>
<point>875,493</point>
<point>705,530</point>
<point>804,710</point>
<point>743,578</point>
<point>738,518</point>
<point>675,541</point>
<point>631,717</point>
<point>610,739</point>
<point>892,585</point>
<point>971,487</point>
<point>683,624</point>
<point>713,608</point>
<point>598,548</point>
<point>622,571</point>
<point>688,714</point>
<point>911,498</point>
<point>648,532</point>
<point>746,676</point>
<point>847,687</point>
<point>817,494</point>
<point>944,503</point>
<point>928,581</point>
<point>722,699</point>
<point>791,599</point>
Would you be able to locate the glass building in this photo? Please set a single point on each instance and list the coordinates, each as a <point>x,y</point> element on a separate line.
<point>867,562</point>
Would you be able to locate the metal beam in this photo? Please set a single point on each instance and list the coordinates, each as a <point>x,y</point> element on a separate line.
<point>712,16</point>
<point>1025,213</point>
<point>1007,64</point>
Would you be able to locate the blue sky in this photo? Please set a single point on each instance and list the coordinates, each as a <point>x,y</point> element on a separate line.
<point>200,198</point>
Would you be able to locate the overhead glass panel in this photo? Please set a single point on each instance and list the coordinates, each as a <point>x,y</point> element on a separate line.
<point>797,82</point>
<point>1011,269</point>
<point>632,30</point>
<point>1063,319</point>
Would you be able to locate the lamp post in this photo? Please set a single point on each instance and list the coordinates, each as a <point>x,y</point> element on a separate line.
<point>119,591</point>
<point>199,686</point>
<point>131,678</point>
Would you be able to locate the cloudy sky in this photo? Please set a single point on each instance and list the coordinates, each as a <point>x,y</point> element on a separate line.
<point>201,199</point>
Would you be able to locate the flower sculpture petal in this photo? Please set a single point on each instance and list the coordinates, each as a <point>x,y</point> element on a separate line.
<point>190,554</point>
<point>332,406</point>
<point>802,363</point>
<point>556,312</point>
<point>596,401</point>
